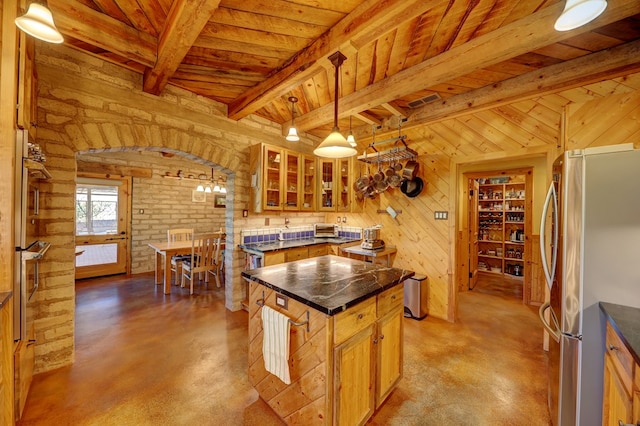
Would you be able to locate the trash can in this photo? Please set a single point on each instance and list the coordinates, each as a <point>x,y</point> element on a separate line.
<point>416,296</point>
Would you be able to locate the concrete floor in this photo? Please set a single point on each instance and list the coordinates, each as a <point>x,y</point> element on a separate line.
<point>143,358</point>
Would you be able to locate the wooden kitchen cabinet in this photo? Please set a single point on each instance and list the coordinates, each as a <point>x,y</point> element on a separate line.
<point>27,86</point>
<point>282,179</point>
<point>368,365</point>
<point>343,369</point>
<point>334,188</point>
<point>621,403</point>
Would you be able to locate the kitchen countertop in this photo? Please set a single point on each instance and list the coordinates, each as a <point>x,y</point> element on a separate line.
<point>266,246</point>
<point>329,284</point>
<point>626,321</point>
<point>5,296</point>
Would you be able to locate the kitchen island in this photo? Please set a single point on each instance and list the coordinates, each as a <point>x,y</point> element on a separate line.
<point>345,357</point>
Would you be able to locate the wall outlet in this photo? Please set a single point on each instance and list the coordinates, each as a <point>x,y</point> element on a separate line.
<point>439,215</point>
<point>344,219</point>
<point>266,221</point>
<point>141,211</point>
<point>286,220</point>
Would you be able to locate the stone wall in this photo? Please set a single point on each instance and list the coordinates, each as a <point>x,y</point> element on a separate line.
<point>88,106</point>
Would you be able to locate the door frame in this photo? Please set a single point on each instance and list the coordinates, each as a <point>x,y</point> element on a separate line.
<point>124,226</point>
<point>464,256</point>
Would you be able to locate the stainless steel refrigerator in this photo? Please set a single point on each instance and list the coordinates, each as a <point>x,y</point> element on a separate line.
<point>590,248</point>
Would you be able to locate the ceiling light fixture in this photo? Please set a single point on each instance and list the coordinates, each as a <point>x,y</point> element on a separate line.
<point>579,12</point>
<point>350,138</point>
<point>293,133</point>
<point>335,145</point>
<point>38,22</point>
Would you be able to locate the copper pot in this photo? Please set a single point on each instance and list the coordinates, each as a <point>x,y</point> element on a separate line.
<point>410,170</point>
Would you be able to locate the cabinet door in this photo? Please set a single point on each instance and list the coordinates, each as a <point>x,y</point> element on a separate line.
<point>291,188</point>
<point>354,379</point>
<point>272,178</point>
<point>389,354</point>
<point>616,405</point>
<point>343,191</point>
<point>308,183</point>
<point>327,185</point>
<point>27,86</point>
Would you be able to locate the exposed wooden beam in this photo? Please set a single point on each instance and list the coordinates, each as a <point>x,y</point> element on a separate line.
<point>83,23</point>
<point>527,34</point>
<point>184,23</point>
<point>606,64</point>
<point>370,119</point>
<point>395,109</point>
<point>113,169</point>
<point>371,19</point>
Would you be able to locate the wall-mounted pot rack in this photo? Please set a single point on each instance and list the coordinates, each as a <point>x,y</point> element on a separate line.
<point>397,153</point>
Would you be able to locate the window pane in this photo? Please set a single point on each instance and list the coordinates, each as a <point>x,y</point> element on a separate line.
<point>96,210</point>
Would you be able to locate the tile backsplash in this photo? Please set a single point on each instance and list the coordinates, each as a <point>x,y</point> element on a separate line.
<point>259,235</point>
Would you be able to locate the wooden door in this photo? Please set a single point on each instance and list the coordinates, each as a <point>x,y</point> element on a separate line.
<point>103,207</point>
<point>616,405</point>
<point>273,178</point>
<point>389,354</point>
<point>327,184</point>
<point>473,233</point>
<point>292,191</point>
<point>354,379</point>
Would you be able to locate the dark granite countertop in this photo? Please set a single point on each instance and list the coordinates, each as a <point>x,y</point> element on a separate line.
<point>266,246</point>
<point>626,321</point>
<point>329,284</point>
<point>5,296</point>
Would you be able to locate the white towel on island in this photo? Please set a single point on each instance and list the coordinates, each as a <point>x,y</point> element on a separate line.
<point>275,343</point>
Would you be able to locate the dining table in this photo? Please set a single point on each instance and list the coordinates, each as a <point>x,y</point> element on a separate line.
<point>164,251</point>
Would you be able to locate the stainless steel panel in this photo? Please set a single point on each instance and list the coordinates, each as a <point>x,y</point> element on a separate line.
<point>569,389</point>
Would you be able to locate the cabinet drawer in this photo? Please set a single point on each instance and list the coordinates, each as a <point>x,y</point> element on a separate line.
<point>274,258</point>
<point>349,322</point>
<point>390,299</point>
<point>622,359</point>
<point>318,250</point>
<point>296,254</point>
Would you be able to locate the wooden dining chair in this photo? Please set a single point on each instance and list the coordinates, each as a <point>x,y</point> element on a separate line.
<point>218,270</point>
<point>205,250</point>
<point>179,234</point>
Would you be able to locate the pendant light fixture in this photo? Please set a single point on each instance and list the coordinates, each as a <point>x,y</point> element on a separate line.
<point>350,138</point>
<point>335,145</point>
<point>293,133</point>
<point>577,13</point>
<point>38,22</point>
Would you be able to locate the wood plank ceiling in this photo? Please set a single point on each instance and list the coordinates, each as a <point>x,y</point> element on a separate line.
<point>424,60</point>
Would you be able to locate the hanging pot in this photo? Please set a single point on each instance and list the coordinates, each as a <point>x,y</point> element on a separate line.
<point>412,187</point>
<point>410,169</point>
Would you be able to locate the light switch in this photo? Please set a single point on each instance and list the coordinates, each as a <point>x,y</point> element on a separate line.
<point>440,215</point>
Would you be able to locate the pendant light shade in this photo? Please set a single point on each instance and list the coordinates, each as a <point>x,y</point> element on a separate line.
<point>579,12</point>
<point>350,138</point>
<point>38,22</point>
<point>335,145</point>
<point>293,132</point>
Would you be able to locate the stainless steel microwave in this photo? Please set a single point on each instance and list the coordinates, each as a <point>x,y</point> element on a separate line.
<point>325,230</point>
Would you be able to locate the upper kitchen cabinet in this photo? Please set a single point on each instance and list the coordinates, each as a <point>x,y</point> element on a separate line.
<point>27,86</point>
<point>267,177</point>
<point>282,180</point>
<point>334,189</point>
<point>308,182</point>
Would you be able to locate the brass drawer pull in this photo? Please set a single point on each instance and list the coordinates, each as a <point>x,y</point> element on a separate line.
<point>613,348</point>
<point>360,316</point>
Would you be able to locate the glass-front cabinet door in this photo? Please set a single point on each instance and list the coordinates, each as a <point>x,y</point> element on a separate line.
<point>291,188</point>
<point>272,187</point>
<point>327,184</point>
<point>343,192</point>
<point>308,183</point>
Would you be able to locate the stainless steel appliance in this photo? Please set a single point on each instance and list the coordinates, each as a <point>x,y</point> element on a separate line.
<point>29,250</point>
<point>590,240</point>
<point>325,230</point>
<point>371,239</point>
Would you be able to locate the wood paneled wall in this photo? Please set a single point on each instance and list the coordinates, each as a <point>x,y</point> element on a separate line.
<point>524,133</point>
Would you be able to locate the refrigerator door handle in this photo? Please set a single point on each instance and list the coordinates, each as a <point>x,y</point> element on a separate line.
<point>553,331</point>
<point>549,273</point>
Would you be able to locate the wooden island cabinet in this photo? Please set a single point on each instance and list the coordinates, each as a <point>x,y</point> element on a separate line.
<point>621,390</point>
<point>349,359</point>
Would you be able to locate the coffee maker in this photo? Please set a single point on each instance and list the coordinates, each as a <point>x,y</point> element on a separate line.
<point>371,240</point>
